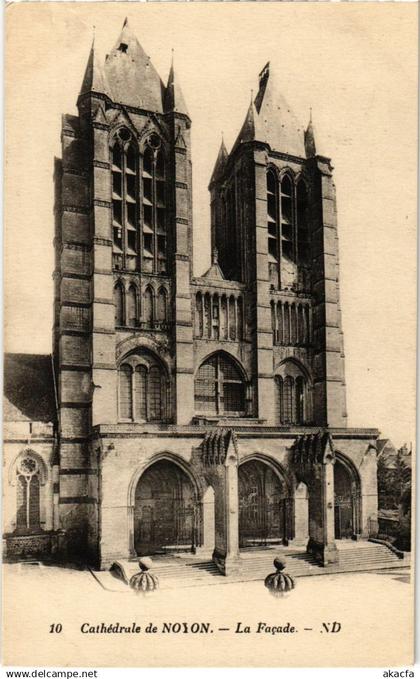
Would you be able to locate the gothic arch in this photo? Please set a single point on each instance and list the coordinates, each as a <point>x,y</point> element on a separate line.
<point>293,393</point>
<point>275,465</point>
<point>114,132</point>
<point>162,305</point>
<point>142,348</point>
<point>302,177</point>
<point>220,386</point>
<point>287,172</point>
<point>153,127</point>
<point>347,504</point>
<point>195,517</point>
<point>274,169</point>
<point>300,365</point>
<point>350,467</point>
<point>265,502</point>
<point>133,343</point>
<point>166,456</point>
<point>229,357</point>
<point>43,469</point>
<point>39,496</point>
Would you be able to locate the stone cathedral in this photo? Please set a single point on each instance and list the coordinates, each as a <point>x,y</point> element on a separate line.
<point>180,413</point>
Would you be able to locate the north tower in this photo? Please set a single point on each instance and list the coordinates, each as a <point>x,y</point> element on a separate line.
<point>274,225</point>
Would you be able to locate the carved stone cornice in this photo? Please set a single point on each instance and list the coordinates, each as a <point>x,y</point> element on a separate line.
<point>311,450</point>
<point>216,445</point>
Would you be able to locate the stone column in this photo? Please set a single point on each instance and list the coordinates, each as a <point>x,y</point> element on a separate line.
<point>321,514</point>
<point>208,544</point>
<point>226,552</point>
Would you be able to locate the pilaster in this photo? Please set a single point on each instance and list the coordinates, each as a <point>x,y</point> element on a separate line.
<point>182,270</point>
<point>329,382</point>
<point>263,327</point>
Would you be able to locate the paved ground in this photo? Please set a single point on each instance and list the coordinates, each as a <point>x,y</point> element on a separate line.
<point>373,609</point>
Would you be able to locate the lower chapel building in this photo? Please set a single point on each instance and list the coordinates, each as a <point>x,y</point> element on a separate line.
<point>178,412</point>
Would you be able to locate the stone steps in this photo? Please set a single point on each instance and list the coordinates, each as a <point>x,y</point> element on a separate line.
<point>188,571</point>
<point>258,566</point>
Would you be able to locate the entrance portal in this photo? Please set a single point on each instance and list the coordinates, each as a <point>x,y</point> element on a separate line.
<point>264,515</point>
<point>345,503</point>
<point>165,516</point>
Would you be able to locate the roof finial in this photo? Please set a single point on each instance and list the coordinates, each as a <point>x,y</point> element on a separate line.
<point>252,95</point>
<point>215,255</point>
<point>310,114</point>
<point>93,33</point>
<point>125,22</point>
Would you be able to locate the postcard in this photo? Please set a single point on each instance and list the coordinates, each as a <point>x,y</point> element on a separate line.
<point>210,334</point>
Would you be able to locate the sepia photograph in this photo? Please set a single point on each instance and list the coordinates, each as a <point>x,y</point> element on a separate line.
<point>210,334</point>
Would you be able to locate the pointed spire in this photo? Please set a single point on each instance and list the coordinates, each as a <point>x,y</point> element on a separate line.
<point>94,78</point>
<point>220,164</point>
<point>174,99</point>
<point>277,125</point>
<point>251,129</point>
<point>310,146</point>
<point>132,78</point>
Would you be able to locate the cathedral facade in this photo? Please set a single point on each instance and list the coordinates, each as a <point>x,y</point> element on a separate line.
<point>207,413</point>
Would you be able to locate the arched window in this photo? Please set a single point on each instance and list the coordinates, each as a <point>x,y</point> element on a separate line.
<point>132,315</point>
<point>286,324</point>
<point>207,315</point>
<point>280,322</point>
<point>293,328</point>
<point>126,396</point>
<point>155,394</point>
<point>273,230</point>
<point>119,304</point>
<point>140,392</point>
<point>162,306</point>
<point>143,389</point>
<point>124,162</point>
<point>286,406</point>
<point>233,260</point>
<point>215,317</point>
<point>219,387</point>
<point>303,238</point>
<point>287,226</point>
<point>300,400</point>
<point>287,232</point>
<point>154,207</point>
<point>28,515</point>
<point>148,307</point>
<point>232,319</point>
<point>240,318</point>
<point>198,317</point>
<point>223,318</point>
<point>292,394</point>
<point>301,325</point>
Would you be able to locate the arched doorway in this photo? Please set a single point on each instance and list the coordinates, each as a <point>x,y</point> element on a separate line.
<point>166,516</point>
<point>264,507</point>
<point>346,502</point>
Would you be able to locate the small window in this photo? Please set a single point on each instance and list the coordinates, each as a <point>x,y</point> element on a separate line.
<point>28,510</point>
<point>142,389</point>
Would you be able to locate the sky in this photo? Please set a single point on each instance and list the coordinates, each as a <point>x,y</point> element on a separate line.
<point>354,64</point>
